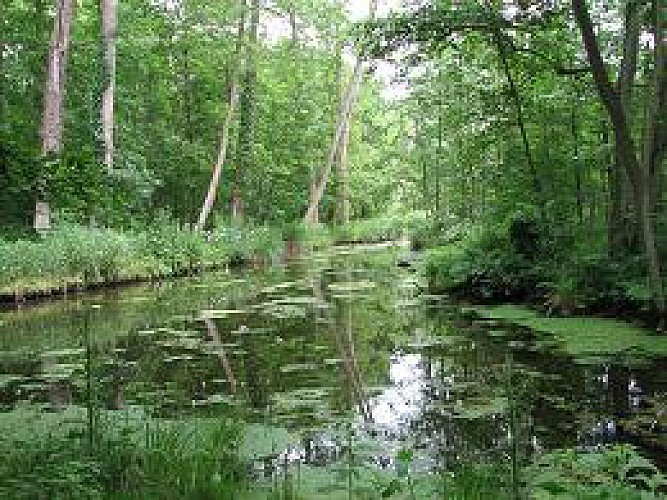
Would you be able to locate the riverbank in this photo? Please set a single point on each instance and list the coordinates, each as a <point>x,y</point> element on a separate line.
<point>73,259</point>
<point>523,263</point>
<point>76,259</point>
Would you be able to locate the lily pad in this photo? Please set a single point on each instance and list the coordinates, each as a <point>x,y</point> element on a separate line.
<point>352,286</point>
<point>297,367</point>
<point>221,313</point>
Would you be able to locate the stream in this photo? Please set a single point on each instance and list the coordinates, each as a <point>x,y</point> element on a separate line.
<point>342,350</point>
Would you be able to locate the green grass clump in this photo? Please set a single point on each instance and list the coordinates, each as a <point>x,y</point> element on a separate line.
<point>388,228</point>
<point>617,472</point>
<point>308,236</point>
<point>52,455</point>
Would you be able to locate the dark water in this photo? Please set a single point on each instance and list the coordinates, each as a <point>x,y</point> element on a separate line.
<point>342,350</point>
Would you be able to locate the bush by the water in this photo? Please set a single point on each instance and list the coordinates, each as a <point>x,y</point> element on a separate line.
<point>387,228</point>
<point>525,259</point>
<point>483,263</point>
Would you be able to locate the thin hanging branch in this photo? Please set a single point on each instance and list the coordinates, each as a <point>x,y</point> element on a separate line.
<point>516,97</point>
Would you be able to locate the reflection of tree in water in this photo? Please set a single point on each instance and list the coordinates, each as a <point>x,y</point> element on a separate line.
<point>344,339</point>
<point>214,338</point>
<point>339,325</point>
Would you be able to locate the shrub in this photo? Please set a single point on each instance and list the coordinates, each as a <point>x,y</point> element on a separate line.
<point>391,227</point>
<point>484,266</point>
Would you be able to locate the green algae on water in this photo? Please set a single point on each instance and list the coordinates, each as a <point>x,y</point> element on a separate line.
<point>584,336</point>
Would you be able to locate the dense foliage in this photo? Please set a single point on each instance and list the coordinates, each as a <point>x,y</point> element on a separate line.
<point>173,76</point>
<point>517,155</point>
<point>520,143</point>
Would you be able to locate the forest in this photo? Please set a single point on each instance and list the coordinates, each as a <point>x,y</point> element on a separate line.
<point>333,249</point>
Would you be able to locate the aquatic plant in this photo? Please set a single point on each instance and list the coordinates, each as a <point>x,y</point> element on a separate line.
<point>612,472</point>
<point>584,336</point>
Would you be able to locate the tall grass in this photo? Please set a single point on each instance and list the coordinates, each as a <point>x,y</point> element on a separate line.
<point>131,456</point>
<point>76,255</point>
<point>73,255</point>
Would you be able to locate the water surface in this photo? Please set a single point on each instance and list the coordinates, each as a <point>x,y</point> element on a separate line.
<point>340,351</point>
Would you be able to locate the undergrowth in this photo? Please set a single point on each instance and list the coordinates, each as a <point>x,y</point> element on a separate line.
<point>128,456</point>
<point>528,260</point>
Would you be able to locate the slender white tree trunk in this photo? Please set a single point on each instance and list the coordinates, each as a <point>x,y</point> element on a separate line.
<point>109,25</point>
<point>320,185</point>
<point>317,190</point>
<point>343,205</point>
<point>226,127</point>
<point>54,95</point>
<point>220,161</point>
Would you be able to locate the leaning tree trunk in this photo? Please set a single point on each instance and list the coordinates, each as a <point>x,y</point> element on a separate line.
<point>318,188</point>
<point>109,24</point>
<point>641,172</point>
<point>343,202</point>
<point>53,106</point>
<point>226,127</point>
<point>247,116</point>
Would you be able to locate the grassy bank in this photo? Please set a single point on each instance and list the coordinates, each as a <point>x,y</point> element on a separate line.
<point>72,257</point>
<point>387,228</point>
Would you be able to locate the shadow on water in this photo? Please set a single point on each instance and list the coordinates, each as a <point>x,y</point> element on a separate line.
<point>344,373</point>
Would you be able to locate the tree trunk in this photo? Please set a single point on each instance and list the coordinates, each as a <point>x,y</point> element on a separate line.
<point>317,189</point>
<point>226,128</point>
<point>54,95</point>
<point>343,178</point>
<point>622,224</point>
<point>319,185</point>
<point>38,67</point>
<point>343,202</point>
<point>109,24</point>
<point>655,137</point>
<point>641,173</point>
<point>247,112</point>
<point>579,197</point>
